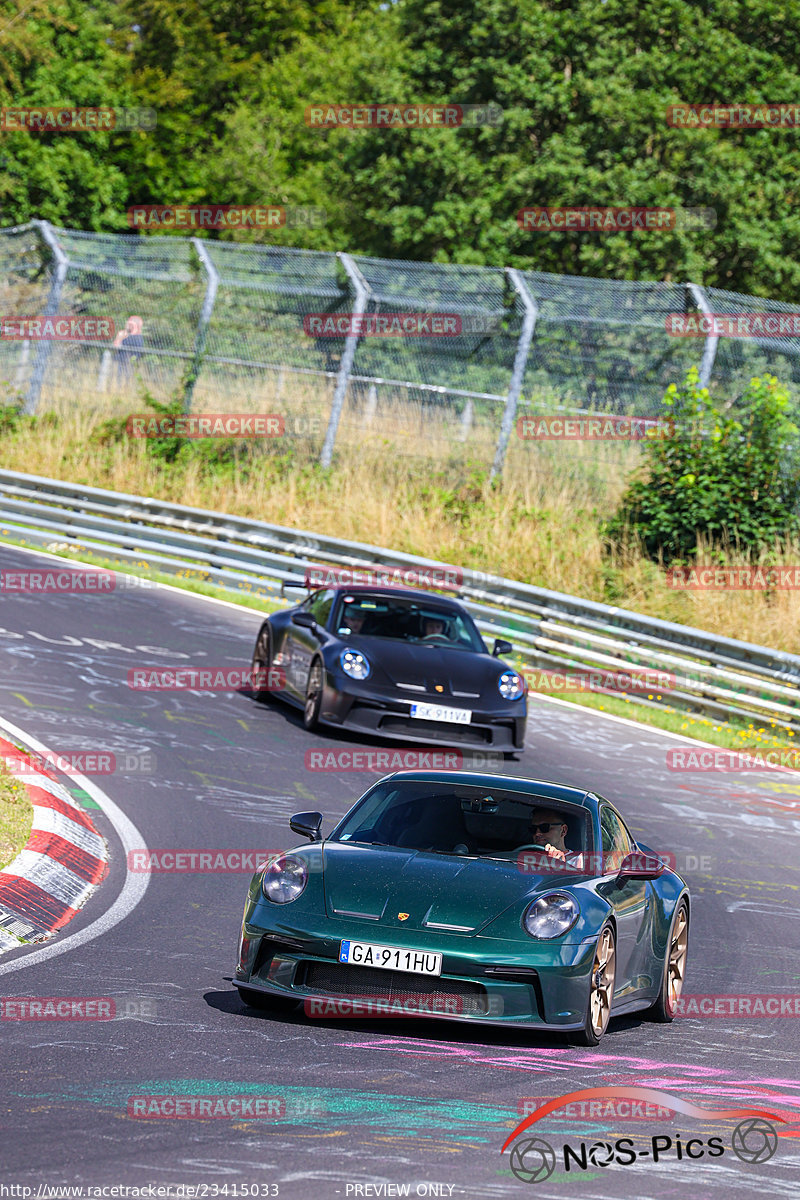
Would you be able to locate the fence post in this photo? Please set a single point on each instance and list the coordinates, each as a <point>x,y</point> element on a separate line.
<point>361,288</point>
<point>712,339</point>
<point>212,276</point>
<point>103,373</point>
<point>518,372</point>
<point>24,355</point>
<point>50,309</point>
<point>466,421</point>
<point>371,406</point>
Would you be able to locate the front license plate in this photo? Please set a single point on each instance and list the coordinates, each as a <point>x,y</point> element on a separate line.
<point>438,712</point>
<point>389,958</point>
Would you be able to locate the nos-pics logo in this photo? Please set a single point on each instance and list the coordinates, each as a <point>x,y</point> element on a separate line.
<point>533,1159</point>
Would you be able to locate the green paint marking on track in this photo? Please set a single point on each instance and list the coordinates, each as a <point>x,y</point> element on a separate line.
<point>83,798</point>
<point>407,1116</point>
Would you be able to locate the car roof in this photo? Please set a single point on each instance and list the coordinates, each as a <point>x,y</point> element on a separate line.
<point>509,783</point>
<point>362,589</point>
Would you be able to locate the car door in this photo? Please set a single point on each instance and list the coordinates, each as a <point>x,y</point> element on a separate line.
<point>631,904</point>
<point>300,644</point>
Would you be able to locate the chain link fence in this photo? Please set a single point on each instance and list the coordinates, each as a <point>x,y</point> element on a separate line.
<point>328,341</point>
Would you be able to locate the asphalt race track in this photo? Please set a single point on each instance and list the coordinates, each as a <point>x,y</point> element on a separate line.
<point>370,1107</point>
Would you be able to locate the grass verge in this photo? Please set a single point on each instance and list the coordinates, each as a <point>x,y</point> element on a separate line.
<point>16,816</point>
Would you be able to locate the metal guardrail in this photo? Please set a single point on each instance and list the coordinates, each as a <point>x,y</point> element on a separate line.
<point>715,676</point>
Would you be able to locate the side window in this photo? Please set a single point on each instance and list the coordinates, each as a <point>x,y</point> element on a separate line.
<point>320,607</point>
<point>616,843</point>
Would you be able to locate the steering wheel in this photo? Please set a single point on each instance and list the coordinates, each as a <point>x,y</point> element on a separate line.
<point>435,637</point>
<point>532,846</point>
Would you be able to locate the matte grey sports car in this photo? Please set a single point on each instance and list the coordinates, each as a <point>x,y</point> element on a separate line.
<point>396,662</point>
<point>449,894</point>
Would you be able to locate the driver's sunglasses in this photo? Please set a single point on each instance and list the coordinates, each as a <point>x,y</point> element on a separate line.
<point>547,825</point>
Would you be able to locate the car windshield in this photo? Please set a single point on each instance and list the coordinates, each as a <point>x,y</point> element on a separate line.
<point>462,819</point>
<point>406,620</point>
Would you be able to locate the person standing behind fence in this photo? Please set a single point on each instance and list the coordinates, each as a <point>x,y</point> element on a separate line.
<point>128,345</point>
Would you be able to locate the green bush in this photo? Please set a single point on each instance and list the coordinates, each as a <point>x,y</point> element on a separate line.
<point>217,457</point>
<point>730,480</point>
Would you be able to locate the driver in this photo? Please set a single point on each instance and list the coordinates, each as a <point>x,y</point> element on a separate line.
<point>353,620</point>
<point>548,829</point>
<point>433,627</point>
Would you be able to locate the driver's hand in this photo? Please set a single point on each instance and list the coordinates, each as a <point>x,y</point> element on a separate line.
<point>554,853</point>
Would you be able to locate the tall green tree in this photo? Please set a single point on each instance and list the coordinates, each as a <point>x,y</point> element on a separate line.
<point>62,52</point>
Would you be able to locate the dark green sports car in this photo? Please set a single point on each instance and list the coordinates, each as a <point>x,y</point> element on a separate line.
<point>470,897</point>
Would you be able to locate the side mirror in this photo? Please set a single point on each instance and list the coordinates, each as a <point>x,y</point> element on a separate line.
<point>307,824</point>
<point>639,865</point>
<point>304,620</point>
<point>501,647</point>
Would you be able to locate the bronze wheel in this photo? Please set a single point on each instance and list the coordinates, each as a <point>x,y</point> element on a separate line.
<point>672,980</point>
<point>601,989</point>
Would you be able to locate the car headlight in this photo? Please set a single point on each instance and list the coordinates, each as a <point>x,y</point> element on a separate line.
<point>354,664</point>
<point>550,916</point>
<point>284,879</point>
<point>510,685</point>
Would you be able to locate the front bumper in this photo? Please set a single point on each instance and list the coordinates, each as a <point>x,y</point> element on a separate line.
<point>384,715</point>
<point>483,979</point>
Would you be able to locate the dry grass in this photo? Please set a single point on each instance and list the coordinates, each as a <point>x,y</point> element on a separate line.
<point>408,478</point>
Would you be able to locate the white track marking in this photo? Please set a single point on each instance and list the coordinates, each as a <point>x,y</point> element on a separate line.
<point>168,587</point>
<point>133,889</point>
<point>640,726</point>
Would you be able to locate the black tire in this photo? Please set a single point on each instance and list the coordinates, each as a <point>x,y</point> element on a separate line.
<point>265,1002</point>
<point>313,704</point>
<point>674,971</point>
<point>262,661</point>
<point>598,1011</point>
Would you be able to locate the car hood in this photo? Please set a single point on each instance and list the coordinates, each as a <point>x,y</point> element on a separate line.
<point>438,892</point>
<point>454,670</point>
